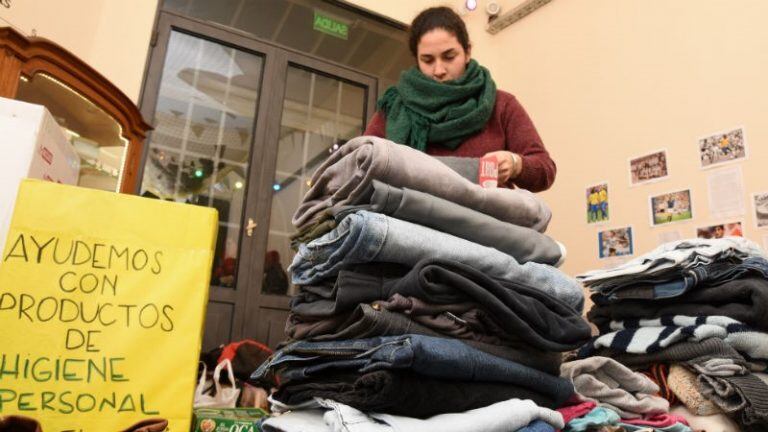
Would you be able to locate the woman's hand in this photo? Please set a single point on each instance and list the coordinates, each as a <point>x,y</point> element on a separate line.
<point>510,164</point>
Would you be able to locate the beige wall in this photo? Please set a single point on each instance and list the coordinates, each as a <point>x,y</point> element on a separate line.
<point>110,35</point>
<point>606,80</point>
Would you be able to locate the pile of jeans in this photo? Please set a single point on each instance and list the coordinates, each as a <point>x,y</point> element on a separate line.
<point>424,300</point>
<point>701,304</point>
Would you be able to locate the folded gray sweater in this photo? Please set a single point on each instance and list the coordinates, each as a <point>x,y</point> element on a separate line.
<point>612,385</point>
<point>345,179</point>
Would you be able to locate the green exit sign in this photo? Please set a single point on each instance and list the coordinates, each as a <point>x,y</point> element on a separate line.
<point>331,26</point>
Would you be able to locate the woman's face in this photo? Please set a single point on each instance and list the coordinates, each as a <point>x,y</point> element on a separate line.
<point>441,56</point>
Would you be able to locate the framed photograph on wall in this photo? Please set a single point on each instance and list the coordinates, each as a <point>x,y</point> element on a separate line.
<point>760,205</point>
<point>615,242</point>
<point>597,203</point>
<point>730,229</point>
<point>671,207</point>
<point>722,147</point>
<point>648,168</point>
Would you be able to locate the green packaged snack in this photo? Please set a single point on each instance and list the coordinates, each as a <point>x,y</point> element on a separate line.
<point>228,419</point>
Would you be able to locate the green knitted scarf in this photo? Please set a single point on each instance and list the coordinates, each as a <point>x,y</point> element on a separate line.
<point>420,110</point>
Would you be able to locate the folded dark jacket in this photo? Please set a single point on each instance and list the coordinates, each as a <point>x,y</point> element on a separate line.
<point>364,322</point>
<point>532,315</point>
<point>745,300</point>
<point>407,393</point>
<point>465,320</point>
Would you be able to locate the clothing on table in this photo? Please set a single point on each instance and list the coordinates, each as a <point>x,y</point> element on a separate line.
<point>405,393</point>
<point>506,416</point>
<point>327,219</point>
<point>345,179</point>
<point>434,357</point>
<point>465,320</point>
<point>659,374</point>
<point>598,416</point>
<point>744,300</point>
<point>517,309</point>
<point>745,396</point>
<point>675,255</point>
<point>685,280</point>
<point>580,409</point>
<point>467,167</point>
<point>604,416</point>
<point>365,322</point>
<point>690,353</point>
<point>365,237</point>
<point>537,426</point>
<point>657,420</point>
<point>683,383</point>
<point>522,243</point>
<point>651,335</point>
<point>612,385</point>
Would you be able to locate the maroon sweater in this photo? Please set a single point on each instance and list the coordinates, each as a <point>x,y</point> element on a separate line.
<point>509,128</point>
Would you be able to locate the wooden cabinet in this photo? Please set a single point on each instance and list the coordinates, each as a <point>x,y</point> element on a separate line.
<point>105,126</point>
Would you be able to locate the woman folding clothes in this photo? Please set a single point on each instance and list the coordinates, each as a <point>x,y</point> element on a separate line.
<point>425,301</point>
<point>448,105</point>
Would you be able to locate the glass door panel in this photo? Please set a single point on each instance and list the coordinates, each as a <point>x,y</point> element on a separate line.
<point>200,149</point>
<point>320,113</point>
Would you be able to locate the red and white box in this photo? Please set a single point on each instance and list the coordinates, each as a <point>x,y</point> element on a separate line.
<point>32,145</point>
<point>488,176</point>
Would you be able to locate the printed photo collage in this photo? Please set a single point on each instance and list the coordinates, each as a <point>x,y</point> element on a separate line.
<point>725,193</point>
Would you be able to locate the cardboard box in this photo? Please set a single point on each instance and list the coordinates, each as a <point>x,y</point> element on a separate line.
<point>32,145</point>
<point>228,419</point>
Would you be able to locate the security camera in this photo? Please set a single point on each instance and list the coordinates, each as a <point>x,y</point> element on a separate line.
<point>493,9</point>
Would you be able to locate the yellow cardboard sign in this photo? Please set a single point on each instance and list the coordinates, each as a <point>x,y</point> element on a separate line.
<point>102,298</point>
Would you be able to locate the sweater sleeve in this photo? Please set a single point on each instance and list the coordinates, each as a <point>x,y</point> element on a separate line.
<point>539,169</point>
<point>377,125</point>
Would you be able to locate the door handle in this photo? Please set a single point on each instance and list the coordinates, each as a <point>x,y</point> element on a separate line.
<point>249,228</point>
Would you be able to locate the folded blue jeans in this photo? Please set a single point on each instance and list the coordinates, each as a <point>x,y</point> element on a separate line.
<point>372,237</point>
<point>430,356</point>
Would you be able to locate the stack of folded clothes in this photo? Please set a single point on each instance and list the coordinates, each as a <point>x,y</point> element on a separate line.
<point>698,308</point>
<point>612,397</point>
<point>424,300</point>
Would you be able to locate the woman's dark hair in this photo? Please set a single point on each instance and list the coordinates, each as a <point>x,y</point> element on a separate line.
<point>433,18</point>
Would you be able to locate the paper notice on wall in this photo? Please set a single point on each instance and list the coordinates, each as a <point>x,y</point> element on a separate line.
<point>726,193</point>
<point>669,236</point>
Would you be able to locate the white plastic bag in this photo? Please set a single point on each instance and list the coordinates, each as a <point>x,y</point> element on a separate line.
<point>224,397</point>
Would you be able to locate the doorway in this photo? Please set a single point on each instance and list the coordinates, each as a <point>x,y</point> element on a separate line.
<point>240,125</point>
